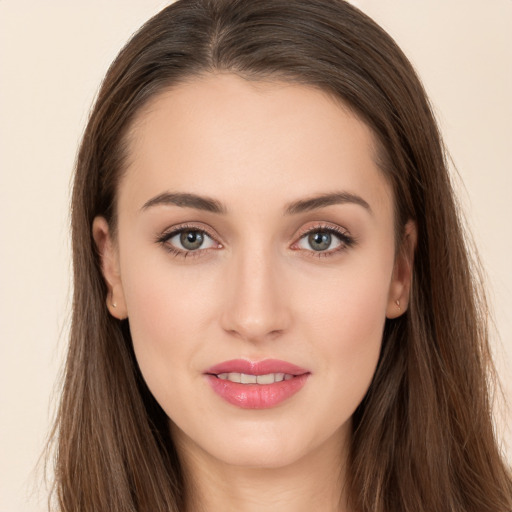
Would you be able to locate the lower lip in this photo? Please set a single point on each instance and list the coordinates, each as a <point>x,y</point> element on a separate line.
<point>257,396</point>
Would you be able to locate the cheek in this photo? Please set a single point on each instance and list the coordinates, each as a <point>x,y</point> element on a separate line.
<point>166,315</point>
<point>346,322</point>
<point>350,306</point>
<point>165,309</point>
<point>165,301</point>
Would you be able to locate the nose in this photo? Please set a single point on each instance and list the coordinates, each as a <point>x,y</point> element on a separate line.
<point>255,305</point>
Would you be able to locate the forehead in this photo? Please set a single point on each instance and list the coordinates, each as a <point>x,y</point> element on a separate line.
<point>241,140</point>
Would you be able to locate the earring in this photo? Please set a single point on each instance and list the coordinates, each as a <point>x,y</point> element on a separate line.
<point>114,305</point>
<point>397,302</point>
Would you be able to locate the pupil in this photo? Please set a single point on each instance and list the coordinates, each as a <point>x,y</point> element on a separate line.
<point>320,241</point>
<point>191,240</point>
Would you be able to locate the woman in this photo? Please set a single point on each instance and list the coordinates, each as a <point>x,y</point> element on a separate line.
<point>274,308</point>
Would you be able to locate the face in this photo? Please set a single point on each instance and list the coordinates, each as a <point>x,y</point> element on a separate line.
<point>255,242</point>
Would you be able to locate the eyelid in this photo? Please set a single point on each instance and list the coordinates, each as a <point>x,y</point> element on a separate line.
<point>346,240</point>
<point>325,226</point>
<point>171,232</point>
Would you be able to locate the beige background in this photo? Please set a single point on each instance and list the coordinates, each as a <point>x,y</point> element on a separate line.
<point>53,55</point>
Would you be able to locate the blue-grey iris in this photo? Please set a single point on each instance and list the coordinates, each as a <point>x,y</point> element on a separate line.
<point>320,240</point>
<point>191,240</point>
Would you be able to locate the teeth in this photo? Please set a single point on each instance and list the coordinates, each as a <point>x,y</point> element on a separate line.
<point>269,378</point>
<point>245,378</point>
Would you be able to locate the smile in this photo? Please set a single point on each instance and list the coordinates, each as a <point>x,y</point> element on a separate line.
<point>256,385</point>
<point>246,378</point>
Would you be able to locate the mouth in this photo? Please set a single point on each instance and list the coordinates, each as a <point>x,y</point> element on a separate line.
<point>256,385</point>
<point>247,378</point>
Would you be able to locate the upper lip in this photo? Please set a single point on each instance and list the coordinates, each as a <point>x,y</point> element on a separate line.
<point>256,367</point>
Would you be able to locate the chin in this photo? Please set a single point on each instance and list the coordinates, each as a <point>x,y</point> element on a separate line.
<point>263,453</point>
<point>262,445</point>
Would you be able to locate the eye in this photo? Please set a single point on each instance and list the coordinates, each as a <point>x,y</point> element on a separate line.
<point>325,241</point>
<point>191,240</point>
<point>185,240</point>
<point>319,241</point>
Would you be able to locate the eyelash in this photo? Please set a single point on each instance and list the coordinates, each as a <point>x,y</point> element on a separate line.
<point>166,236</point>
<point>346,241</point>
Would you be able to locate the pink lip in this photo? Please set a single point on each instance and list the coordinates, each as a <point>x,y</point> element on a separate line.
<point>256,396</point>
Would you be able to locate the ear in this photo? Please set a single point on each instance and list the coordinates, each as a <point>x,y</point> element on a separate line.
<point>400,288</point>
<point>109,257</point>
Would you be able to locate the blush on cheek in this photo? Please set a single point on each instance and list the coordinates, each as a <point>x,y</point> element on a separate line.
<point>351,326</point>
<point>160,359</point>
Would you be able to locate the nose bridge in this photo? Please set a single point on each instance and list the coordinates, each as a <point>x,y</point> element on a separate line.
<point>255,307</point>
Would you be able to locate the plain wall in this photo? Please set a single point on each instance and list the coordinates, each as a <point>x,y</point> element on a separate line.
<point>53,55</point>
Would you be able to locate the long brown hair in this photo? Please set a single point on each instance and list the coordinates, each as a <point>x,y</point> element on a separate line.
<point>423,436</point>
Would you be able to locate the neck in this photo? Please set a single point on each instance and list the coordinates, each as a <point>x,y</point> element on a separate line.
<point>313,482</point>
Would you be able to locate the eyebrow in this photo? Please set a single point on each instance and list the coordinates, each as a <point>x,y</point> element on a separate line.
<point>187,200</point>
<point>324,200</point>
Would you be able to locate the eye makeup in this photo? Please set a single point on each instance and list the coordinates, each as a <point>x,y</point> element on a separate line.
<point>327,232</point>
<point>324,240</point>
<point>187,233</point>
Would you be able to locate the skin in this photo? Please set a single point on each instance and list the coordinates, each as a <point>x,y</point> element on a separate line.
<point>256,289</point>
